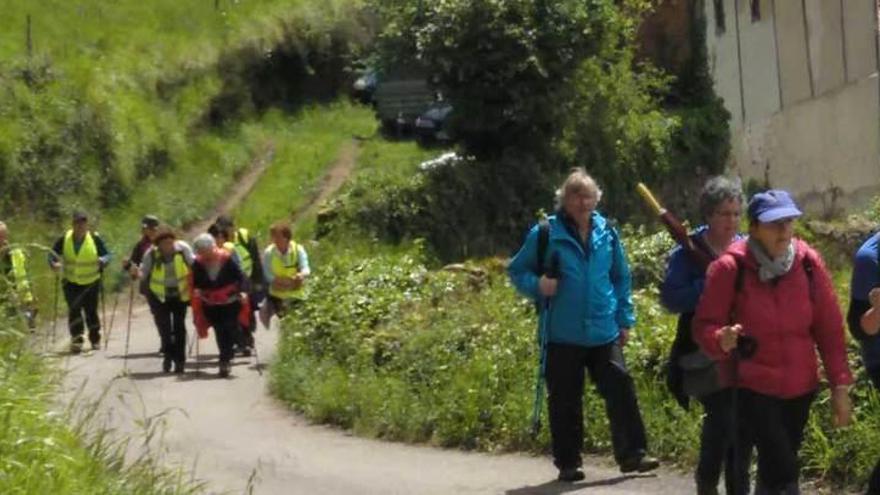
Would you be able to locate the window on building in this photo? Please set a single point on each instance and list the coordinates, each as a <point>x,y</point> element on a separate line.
<point>720,26</point>
<point>756,10</point>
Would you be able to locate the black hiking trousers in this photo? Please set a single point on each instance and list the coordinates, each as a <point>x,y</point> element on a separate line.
<point>83,300</point>
<point>777,426</point>
<point>566,365</point>
<point>170,318</point>
<point>716,447</point>
<point>224,319</point>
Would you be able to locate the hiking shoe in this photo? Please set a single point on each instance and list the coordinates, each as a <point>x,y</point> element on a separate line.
<point>76,347</point>
<point>166,364</point>
<point>224,369</point>
<point>246,351</point>
<point>178,367</point>
<point>641,464</point>
<point>96,345</point>
<point>570,475</point>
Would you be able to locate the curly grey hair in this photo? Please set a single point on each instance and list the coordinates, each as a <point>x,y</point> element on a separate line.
<point>718,190</point>
<point>577,181</point>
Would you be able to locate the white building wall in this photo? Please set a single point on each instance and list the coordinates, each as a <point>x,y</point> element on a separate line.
<point>801,84</point>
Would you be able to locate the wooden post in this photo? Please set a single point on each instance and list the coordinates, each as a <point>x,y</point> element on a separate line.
<point>29,38</point>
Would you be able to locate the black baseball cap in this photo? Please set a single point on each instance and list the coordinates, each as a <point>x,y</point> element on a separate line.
<point>149,221</point>
<point>80,216</point>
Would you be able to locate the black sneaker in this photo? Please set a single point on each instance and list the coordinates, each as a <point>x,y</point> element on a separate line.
<point>224,369</point>
<point>166,364</point>
<point>570,475</point>
<point>641,464</point>
<point>179,367</point>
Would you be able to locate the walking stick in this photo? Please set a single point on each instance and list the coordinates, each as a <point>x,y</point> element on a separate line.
<point>745,349</point>
<point>198,355</point>
<point>112,319</point>
<point>103,306</point>
<point>257,359</point>
<point>538,403</point>
<point>51,337</point>
<point>128,329</point>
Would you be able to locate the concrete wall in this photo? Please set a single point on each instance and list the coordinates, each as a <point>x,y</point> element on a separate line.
<point>801,84</point>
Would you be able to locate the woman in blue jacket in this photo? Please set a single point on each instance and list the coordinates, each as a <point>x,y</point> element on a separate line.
<point>721,206</point>
<point>590,314</point>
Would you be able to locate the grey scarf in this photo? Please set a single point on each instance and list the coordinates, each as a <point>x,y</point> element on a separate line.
<point>770,268</point>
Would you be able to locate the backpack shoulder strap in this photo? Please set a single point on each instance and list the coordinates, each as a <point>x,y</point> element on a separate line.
<point>543,240</point>
<point>740,275</point>
<point>808,269</point>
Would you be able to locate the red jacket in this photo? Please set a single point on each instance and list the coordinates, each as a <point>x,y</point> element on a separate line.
<point>788,324</point>
<point>217,293</point>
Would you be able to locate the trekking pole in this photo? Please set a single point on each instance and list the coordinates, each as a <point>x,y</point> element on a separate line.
<point>198,356</point>
<point>257,358</point>
<point>734,419</point>
<point>537,406</point>
<point>103,306</point>
<point>128,329</point>
<point>51,337</point>
<point>745,349</point>
<point>112,319</point>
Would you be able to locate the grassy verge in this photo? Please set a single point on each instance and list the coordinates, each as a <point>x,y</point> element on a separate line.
<point>391,347</point>
<point>42,451</point>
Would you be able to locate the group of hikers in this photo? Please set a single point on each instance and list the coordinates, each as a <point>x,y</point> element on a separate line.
<point>223,277</point>
<point>750,325</point>
<point>753,312</point>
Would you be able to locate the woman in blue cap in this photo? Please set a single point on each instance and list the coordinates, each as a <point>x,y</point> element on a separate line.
<point>768,305</point>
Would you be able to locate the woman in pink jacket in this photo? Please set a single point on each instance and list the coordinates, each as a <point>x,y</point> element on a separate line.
<point>768,304</point>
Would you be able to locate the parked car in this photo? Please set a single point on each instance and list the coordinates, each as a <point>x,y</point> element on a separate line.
<point>399,102</point>
<point>432,125</point>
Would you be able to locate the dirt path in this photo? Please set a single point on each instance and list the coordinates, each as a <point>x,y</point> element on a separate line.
<point>239,191</point>
<point>233,435</point>
<point>332,181</point>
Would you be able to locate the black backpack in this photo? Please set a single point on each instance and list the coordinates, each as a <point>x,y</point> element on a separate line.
<point>544,239</point>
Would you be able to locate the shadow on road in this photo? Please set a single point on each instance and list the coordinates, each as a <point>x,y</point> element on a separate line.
<point>557,487</point>
<point>139,355</point>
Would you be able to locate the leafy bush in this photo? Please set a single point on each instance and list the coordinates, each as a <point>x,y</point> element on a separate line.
<point>531,99</point>
<point>393,349</point>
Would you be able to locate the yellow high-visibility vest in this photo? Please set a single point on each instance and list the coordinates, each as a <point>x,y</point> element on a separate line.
<point>240,245</point>
<point>280,269</point>
<point>81,267</point>
<point>18,261</point>
<point>181,272</point>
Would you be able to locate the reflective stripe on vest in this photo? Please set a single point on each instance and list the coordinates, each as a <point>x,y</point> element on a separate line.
<point>81,267</point>
<point>241,240</point>
<point>279,269</point>
<point>181,272</point>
